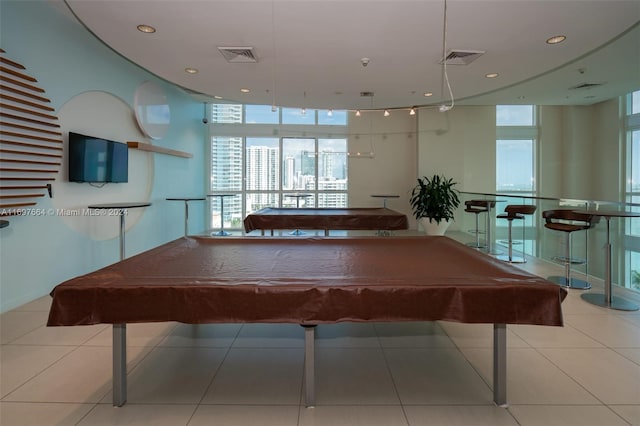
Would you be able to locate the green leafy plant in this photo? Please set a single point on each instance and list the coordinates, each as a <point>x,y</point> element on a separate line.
<point>635,279</point>
<point>435,198</point>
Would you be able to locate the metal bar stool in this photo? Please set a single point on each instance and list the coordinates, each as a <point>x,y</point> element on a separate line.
<point>487,204</point>
<point>569,221</point>
<point>476,207</point>
<point>512,212</point>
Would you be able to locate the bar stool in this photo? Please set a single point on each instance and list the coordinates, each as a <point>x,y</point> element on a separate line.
<point>568,221</point>
<point>476,207</point>
<point>512,212</point>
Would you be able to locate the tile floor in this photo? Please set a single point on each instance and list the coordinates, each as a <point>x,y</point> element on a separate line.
<point>387,374</point>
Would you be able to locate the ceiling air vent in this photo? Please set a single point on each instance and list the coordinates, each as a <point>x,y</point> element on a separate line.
<point>366,94</point>
<point>585,86</point>
<point>462,57</point>
<point>238,54</point>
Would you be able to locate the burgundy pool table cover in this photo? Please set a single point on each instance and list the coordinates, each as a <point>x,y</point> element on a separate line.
<point>326,218</point>
<point>308,281</point>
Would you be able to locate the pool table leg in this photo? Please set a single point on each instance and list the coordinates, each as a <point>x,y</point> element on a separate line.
<point>309,365</point>
<point>500,364</point>
<point>119,364</point>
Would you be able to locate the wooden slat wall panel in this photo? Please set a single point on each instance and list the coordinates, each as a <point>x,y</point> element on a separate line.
<point>30,140</point>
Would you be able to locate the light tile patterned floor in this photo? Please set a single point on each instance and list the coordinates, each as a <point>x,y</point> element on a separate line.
<point>585,373</point>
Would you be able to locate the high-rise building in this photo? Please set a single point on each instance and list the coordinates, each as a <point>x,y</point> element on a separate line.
<point>226,113</point>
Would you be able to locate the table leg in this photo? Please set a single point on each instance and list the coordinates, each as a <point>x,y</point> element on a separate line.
<point>222,216</point>
<point>186,218</point>
<point>500,364</point>
<point>297,231</point>
<point>309,365</point>
<point>221,232</point>
<point>489,242</point>
<point>119,365</point>
<point>608,300</point>
<point>607,269</point>
<point>122,228</point>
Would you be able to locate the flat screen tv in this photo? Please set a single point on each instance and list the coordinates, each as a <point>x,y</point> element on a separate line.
<point>97,160</point>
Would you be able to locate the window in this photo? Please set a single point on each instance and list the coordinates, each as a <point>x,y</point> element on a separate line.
<point>298,116</point>
<point>516,135</point>
<point>261,169</point>
<point>514,166</point>
<point>515,115</point>
<point>632,189</point>
<point>516,132</point>
<point>261,114</point>
<point>330,117</point>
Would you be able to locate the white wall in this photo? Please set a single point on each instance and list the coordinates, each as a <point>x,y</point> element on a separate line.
<point>579,149</point>
<point>459,144</point>
<point>92,89</point>
<point>393,139</point>
<point>580,152</point>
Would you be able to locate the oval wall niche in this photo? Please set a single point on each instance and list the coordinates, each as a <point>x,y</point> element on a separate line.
<point>106,116</point>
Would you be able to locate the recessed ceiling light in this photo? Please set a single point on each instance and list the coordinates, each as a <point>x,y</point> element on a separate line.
<point>245,90</point>
<point>146,29</point>
<point>428,94</point>
<point>556,39</point>
<point>217,97</point>
<point>191,71</point>
<point>492,75</point>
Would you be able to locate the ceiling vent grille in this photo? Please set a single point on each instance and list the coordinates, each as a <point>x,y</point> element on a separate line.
<point>585,86</point>
<point>238,54</point>
<point>366,94</point>
<point>462,57</point>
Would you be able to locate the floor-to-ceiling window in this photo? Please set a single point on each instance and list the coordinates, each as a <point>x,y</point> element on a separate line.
<point>632,188</point>
<point>516,135</point>
<point>263,156</point>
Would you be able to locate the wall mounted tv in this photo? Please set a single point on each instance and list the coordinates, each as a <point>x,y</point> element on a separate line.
<point>97,160</point>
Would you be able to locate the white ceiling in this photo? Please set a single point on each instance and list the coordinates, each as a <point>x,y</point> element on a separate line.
<point>309,51</point>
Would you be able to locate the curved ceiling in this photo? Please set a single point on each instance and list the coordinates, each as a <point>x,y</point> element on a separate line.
<point>309,53</point>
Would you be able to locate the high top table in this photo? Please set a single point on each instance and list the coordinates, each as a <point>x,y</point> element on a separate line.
<point>186,209</point>
<point>221,232</point>
<point>384,198</point>
<point>297,196</point>
<point>120,209</point>
<point>607,299</point>
<point>488,204</point>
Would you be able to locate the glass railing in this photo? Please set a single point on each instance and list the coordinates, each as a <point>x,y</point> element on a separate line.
<point>531,238</point>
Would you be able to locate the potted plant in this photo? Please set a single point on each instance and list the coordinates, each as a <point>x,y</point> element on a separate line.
<point>433,201</point>
<point>635,279</point>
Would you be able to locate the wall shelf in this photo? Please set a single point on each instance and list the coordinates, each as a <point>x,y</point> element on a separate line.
<point>152,148</point>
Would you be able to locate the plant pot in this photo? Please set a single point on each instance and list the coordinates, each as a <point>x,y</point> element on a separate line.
<point>434,228</point>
